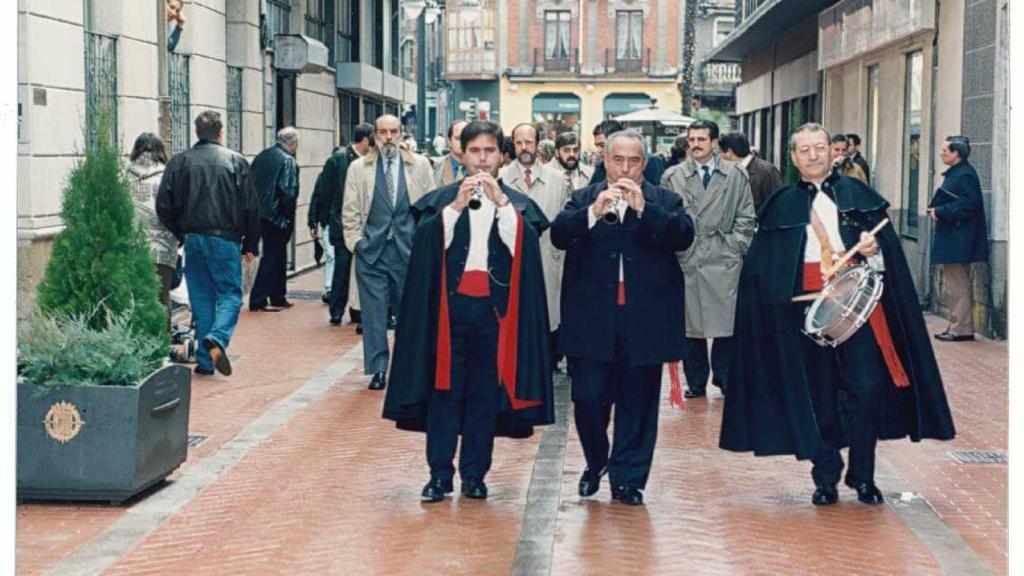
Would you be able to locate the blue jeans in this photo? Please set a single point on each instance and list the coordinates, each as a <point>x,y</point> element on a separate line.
<point>213,269</point>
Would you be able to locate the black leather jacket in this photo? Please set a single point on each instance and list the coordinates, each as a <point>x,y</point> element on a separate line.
<point>209,190</point>
<point>276,176</point>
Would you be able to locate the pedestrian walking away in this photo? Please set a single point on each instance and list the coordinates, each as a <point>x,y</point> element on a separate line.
<point>716,194</point>
<point>471,349</point>
<point>788,394</point>
<point>207,198</point>
<point>147,162</point>
<point>622,312</point>
<point>276,176</point>
<point>961,236</point>
<point>378,228</point>
<point>763,176</point>
<point>334,174</point>
<point>546,187</point>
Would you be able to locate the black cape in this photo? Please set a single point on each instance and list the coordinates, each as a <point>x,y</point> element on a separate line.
<point>413,365</point>
<point>778,376</point>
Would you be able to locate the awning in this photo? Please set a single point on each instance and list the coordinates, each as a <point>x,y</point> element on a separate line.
<point>762,28</point>
<point>615,104</point>
<point>556,103</point>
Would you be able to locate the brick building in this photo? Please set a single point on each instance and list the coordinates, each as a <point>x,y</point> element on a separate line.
<point>569,64</point>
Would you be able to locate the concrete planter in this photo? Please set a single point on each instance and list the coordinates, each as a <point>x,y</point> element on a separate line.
<point>102,442</point>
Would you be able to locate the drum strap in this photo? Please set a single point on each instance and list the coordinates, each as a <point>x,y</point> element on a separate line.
<point>827,253</point>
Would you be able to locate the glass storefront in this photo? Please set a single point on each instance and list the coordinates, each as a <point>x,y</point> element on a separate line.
<point>556,113</point>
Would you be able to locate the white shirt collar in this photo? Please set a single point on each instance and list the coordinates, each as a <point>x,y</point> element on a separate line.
<point>745,163</point>
<point>711,164</point>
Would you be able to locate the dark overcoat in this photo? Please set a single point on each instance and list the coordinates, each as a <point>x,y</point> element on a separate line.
<point>961,234</point>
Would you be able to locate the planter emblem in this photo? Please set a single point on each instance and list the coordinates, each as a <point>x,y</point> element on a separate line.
<point>63,422</point>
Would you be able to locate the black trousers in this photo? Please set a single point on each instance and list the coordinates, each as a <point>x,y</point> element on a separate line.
<point>470,407</point>
<point>272,275</point>
<point>851,411</point>
<point>340,280</point>
<point>696,366</point>
<point>634,391</point>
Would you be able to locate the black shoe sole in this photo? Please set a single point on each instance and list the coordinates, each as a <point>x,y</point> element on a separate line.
<point>221,363</point>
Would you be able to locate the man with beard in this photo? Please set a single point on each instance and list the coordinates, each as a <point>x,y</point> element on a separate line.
<point>567,153</point>
<point>545,186</point>
<point>378,226</point>
<point>470,354</point>
<point>789,395</point>
<point>449,168</point>
<point>624,319</point>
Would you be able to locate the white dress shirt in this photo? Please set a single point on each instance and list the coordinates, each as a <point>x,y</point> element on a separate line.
<point>480,230</point>
<point>828,213</point>
<point>621,209</point>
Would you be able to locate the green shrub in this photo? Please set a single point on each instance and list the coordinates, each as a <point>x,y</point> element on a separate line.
<point>61,349</point>
<point>103,254</point>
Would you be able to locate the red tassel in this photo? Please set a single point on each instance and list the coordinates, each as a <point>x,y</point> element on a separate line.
<point>675,396</point>
<point>443,362</point>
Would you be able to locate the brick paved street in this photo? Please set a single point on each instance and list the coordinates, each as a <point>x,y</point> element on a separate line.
<point>300,475</point>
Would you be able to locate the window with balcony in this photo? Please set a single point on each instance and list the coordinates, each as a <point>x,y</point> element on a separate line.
<point>722,28</point>
<point>557,26</point>
<point>629,40</point>
<point>346,40</point>
<point>316,21</point>
<point>278,19</point>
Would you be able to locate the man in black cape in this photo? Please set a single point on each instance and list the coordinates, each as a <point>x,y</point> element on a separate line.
<point>472,355</point>
<point>791,396</point>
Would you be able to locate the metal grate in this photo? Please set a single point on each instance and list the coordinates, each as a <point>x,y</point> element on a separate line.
<point>178,83</point>
<point>304,295</point>
<point>100,86</point>
<point>194,440</point>
<point>978,457</point>
<point>234,127</point>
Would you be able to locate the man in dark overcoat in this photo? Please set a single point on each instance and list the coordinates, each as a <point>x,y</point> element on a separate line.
<point>622,312</point>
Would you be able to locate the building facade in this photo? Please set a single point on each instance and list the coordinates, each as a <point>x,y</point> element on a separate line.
<point>714,82</point>
<point>903,76</point>
<point>570,64</point>
<point>322,66</point>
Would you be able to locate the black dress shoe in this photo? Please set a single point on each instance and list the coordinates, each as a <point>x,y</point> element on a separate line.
<point>326,297</point>
<point>590,482</point>
<point>631,496</point>
<point>473,488</point>
<point>867,492</point>
<point>203,371</point>
<point>435,490</point>
<point>379,381</point>
<point>219,356</point>
<point>359,328</point>
<point>335,321</point>
<point>265,308</point>
<point>282,304</point>
<point>694,393</point>
<point>950,337</point>
<point>825,495</point>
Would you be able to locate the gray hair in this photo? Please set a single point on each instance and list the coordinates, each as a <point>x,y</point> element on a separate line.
<point>630,134</point>
<point>287,136</point>
<point>808,127</point>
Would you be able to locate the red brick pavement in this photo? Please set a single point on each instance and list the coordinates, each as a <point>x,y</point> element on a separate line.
<point>335,489</point>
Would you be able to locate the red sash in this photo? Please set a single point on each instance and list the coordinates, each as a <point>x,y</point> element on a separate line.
<point>879,327</point>
<point>508,327</point>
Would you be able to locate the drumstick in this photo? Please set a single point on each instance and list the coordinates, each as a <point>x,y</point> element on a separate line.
<point>850,253</point>
<point>806,297</point>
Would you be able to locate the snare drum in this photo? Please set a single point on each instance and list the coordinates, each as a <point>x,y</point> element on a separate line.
<point>843,306</point>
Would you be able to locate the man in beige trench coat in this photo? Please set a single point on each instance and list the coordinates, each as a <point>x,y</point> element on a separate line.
<point>547,187</point>
<point>717,197</point>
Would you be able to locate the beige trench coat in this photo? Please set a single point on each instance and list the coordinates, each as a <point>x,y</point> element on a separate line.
<point>723,219</point>
<point>550,192</point>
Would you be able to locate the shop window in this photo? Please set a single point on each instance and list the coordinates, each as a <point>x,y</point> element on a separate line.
<point>912,103</point>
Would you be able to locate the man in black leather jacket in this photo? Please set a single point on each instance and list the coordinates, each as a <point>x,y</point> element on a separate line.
<point>207,199</point>
<point>276,176</point>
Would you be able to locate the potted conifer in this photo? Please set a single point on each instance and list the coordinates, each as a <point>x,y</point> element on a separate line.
<point>101,416</point>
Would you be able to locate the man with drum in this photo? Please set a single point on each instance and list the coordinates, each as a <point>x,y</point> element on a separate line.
<point>792,394</point>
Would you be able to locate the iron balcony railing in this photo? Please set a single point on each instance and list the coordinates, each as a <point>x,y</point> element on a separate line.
<point>100,86</point>
<point>178,86</point>
<point>234,106</point>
